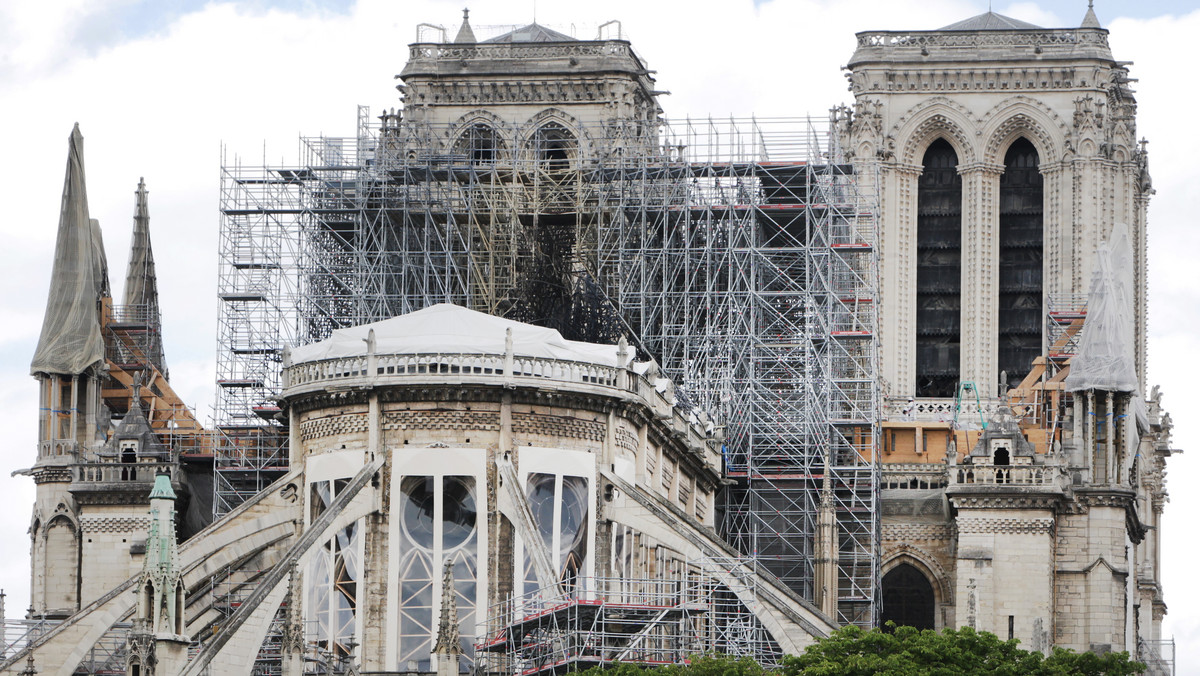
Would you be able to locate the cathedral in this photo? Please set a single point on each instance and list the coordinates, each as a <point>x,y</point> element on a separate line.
<point>553,384</point>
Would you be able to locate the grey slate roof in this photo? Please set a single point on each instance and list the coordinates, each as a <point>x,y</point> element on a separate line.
<point>988,21</point>
<point>533,33</point>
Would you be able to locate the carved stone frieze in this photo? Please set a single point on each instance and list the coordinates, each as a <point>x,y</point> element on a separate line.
<point>1005,526</point>
<point>912,532</point>
<point>113,524</point>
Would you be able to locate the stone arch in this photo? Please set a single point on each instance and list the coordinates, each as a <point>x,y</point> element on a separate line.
<point>1023,116</point>
<point>926,564</point>
<point>498,127</point>
<point>61,561</point>
<point>550,116</point>
<point>939,117</point>
<point>908,598</point>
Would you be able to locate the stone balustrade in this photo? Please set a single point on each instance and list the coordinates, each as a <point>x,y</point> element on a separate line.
<point>122,472</point>
<point>911,475</point>
<point>889,42</point>
<point>397,368</point>
<point>928,409</point>
<point>57,447</point>
<point>430,52</point>
<point>1005,475</point>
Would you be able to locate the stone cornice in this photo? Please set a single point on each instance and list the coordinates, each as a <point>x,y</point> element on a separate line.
<point>49,474</point>
<point>507,91</point>
<point>995,497</point>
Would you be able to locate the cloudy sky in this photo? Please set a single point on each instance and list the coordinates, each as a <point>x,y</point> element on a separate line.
<point>170,90</point>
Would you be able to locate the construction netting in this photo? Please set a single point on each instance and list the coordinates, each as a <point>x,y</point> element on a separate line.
<point>1105,360</point>
<point>71,340</point>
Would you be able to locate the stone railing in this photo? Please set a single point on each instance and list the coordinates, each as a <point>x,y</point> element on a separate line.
<point>432,51</point>
<point>57,447</point>
<point>1004,475</point>
<point>121,472</point>
<point>911,475</point>
<point>481,367</point>
<point>940,410</point>
<point>891,41</point>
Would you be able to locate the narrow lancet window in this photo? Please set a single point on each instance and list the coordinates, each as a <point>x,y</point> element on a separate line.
<point>939,275</point>
<point>1020,300</point>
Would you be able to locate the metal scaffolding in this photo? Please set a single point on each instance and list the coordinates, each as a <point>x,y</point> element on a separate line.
<point>609,620</point>
<point>740,255</point>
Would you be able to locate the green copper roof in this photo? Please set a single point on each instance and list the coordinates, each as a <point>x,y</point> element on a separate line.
<point>162,488</point>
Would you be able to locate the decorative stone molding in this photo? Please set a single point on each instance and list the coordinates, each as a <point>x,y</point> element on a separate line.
<point>898,41</point>
<point>938,117</point>
<point>509,92</point>
<point>442,420</point>
<point>49,475</point>
<point>1024,116</point>
<point>1003,526</point>
<point>911,532</point>
<point>485,117</point>
<point>1039,500</point>
<point>114,524</point>
<point>349,423</point>
<point>423,53</point>
<point>937,78</point>
<point>557,426</point>
<point>626,439</point>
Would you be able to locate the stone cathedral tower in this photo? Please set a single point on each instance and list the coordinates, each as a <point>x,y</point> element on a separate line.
<point>1019,495</point>
<point>1005,153</point>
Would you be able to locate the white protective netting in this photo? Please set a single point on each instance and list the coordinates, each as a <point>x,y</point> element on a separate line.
<point>71,341</point>
<point>1105,358</point>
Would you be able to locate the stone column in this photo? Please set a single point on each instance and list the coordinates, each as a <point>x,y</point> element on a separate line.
<point>898,274</point>
<point>980,274</point>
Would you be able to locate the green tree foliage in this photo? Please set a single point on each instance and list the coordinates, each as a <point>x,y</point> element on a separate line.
<point>904,651</point>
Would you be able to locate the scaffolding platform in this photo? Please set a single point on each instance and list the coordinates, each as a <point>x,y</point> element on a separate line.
<point>608,620</point>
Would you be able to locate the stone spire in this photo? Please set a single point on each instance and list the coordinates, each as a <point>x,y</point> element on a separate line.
<point>1089,19</point>
<point>448,646</point>
<point>158,644</point>
<point>71,341</point>
<point>465,34</point>
<point>160,569</point>
<point>141,281</point>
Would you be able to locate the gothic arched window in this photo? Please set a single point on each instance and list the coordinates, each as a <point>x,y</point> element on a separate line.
<point>1020,299</point>
<point>907,598</point>
<point>554,146</point>
<point>939,276</point>
<point>479,143</point>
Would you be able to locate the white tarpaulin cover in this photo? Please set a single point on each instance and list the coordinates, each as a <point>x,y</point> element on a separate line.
<point>1105,360</point>
<point>70,341</point>
<point>450,329</point>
